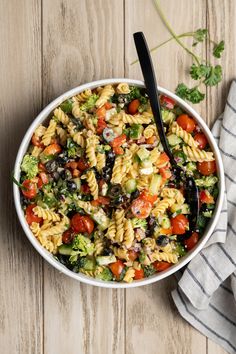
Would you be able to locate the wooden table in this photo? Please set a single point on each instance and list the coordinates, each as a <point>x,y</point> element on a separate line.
<point>48,47</point>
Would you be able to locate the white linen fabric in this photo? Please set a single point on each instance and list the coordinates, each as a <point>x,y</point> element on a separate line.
<point>206,293</point>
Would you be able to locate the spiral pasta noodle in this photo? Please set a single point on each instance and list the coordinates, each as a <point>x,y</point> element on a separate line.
<point>161,206</point>
<point>49,133</point>
<point>123,88</point>
<point>149,243</point>
<point>98,246</point>
<point>116,172</point>
<point>111,231</point>
<point>130,119</point>
<point>129,275</point>
<point>105,94</point>
<point>119,219</point>
<point>91,151</point>
<point>35,228</point>
<point>101,161</point>
<point>149,131</point>
<point>77,137</point>
<point>76,109</point>
<point>183,134</point>
<point>144,182</point>
<point>58,229</point>
<point>121,253</point>
<point>83,96</point>
<point>39,131</point>
<point>92,183</point>
<point>36,151</point>
<point>46,214</point>
<point>173,193</point>
<point>162,256</point>
<point>128,233</point>
<point>61,116</point>
<point>88,123</point>
<point>62,135</point>
<point>198,155</point>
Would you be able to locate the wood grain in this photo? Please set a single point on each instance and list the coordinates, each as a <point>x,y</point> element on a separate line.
<point>21,316</point>
<point>81,42</point>
<point>48,47</point>
<point>152,320</point>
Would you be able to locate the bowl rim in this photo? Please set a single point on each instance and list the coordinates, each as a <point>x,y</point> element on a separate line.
<point>79,276</point>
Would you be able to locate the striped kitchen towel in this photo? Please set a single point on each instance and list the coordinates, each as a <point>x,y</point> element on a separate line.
<point>206,293</point>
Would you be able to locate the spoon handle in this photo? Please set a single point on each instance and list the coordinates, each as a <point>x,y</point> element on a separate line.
<point>151,86</point>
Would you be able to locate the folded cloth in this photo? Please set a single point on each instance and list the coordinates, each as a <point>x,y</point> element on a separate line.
<point>206,293</point>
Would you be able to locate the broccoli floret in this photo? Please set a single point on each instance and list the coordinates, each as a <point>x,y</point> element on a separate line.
<point>207,214</point>
<point>30,166</point>
<point>206,181</point>
<point>106,275</point>
<point>66,106</point>
<point>82,245</point>
<point>191,166</point>
<point>90,103</point>
<point>149,270</point>
<point>180,250</point>
<point>139,223</point>
<point>87,263</point>
<point>73,149</point>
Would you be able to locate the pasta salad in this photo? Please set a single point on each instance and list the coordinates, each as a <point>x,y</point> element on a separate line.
<point>98,191</point>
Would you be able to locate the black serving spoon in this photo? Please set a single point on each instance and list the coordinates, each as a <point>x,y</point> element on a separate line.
<point>191,190</point>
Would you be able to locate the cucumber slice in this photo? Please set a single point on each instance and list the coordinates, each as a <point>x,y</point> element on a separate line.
<point>167,116</point>
<point>131,186</point>
<point>143,154</point>
<point>104,260</point>
<point>155,184</point>
<point>65,250</point>
<point>173,139</point>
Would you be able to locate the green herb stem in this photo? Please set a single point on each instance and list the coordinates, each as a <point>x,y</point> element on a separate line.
<point>161,14</point>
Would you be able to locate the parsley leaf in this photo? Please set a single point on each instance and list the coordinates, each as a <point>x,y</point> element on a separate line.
<point>214,76</point>
<point>190,94</point>
<point>218,49</point>
<point>200,35</point>
<point>199,71</point>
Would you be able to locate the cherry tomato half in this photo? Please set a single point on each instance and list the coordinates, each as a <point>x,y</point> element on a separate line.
<point>206,197</point>
<point>167,102</point>
<point>148,197</point>
<point>30,216</point>
<point>29,189</point>
<point>101,201</point>
<point>67,236</point>
<point>82,164</point>
<point>141,208</point>
<point>117,268</point>
<point>201,139</point>
<point>133,106</point>
<point>186,123</point>
<point>206,168</point>
<point>81,223</point>
<point>191,241</point>
<point>101,125</point>
<point>161,266</point>
<point>179,224</point>
<point>36,141</point>
<point>139,274</point>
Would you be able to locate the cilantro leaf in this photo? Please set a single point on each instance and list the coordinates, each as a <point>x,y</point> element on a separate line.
<point>189,94</point>
<point>199,71</point>
<point>218,49</point>
<point>200,35</point>
<point>214,76</point>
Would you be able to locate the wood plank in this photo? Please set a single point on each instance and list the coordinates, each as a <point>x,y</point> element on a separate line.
<point>21,318</point>
<point>77,49</point>
<point>221,16</point>
<point>221,23</point>
<point>152,322</point>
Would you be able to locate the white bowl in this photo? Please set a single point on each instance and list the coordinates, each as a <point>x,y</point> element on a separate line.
<point>48,256</point>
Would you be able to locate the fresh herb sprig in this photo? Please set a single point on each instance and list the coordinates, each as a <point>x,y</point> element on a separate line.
<point>202,71</point>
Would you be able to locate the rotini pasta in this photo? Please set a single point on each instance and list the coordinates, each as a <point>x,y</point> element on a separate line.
<point>198,155</point>
<point>49,133</point>
<point>105,196</point>
<point>187,137</point>
<point>105,94</point>
<point>92,183</point>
